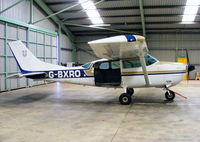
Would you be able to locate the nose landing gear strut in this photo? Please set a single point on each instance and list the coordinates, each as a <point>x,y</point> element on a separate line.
<point>170,95</point>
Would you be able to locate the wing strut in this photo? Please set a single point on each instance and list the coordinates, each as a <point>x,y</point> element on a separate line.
<point>143,63</point>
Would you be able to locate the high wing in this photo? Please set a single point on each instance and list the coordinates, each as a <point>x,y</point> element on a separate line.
<point>119,47</point>
<point>122,47</point>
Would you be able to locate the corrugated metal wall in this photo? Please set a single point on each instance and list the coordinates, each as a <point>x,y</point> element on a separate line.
<point>21,12</point>
<point>41,42</point>
<point>166,47</point>
<point>66,49</point>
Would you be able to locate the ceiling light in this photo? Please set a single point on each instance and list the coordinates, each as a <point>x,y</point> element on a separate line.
<point>91,11</point>
<point>191,10</point>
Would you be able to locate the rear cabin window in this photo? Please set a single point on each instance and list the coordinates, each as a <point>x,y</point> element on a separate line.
<point>104,66</point>
<point>115,65</point>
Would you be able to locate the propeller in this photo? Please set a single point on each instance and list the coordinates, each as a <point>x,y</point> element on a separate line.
<point>189,67</point>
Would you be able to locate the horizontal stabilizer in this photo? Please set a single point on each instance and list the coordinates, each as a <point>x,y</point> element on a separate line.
<point>35,75</point>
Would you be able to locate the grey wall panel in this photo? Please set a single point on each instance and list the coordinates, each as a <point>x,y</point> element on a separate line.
<point>22,82</point>
<point>12,66</point>
<point>65,42</point>
<point>54,61</point>
<point>194,56</point>
<point>164,55</point>
<point>2,30</point>
<point>1,64</point>
<point>40,38</point>
<point>12,83</point>
<point>48,51</point>
<point>1,47</point>
<point>40,49</point>
<point>2,82</point>
<point>17,12</point>
<point>32,36</point>
<point>54,41</point>
<point>31,82</point>
<point>43,45</point>
<point>22,34</point>
<point>173,41</point>
<point>54,52</point>
<point>66,55</point>
<point>21,13</point>
<point>12,32</point>
<point>37,15</point>
<point>48,40</point>
<point>85,57</point>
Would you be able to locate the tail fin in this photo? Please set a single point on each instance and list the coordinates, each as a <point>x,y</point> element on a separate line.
<point>27,62</point>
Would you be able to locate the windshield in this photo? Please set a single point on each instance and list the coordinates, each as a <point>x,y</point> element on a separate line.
<point>150,60</point>
<point>87,65</point>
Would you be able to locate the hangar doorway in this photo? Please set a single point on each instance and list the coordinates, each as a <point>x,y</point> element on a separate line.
<point>107,73</point>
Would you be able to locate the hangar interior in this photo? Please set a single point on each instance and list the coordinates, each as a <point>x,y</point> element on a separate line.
<point>58,32</point>
<point>63,36</point>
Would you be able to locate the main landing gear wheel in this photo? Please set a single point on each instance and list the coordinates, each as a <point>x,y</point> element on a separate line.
<point>130,91</point>
<point>125,99</point>
<point>169,95</point>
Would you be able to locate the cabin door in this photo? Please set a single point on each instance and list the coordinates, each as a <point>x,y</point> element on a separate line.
<point>107,73</point>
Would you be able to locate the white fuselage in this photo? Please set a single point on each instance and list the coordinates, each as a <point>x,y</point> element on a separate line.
<point>160,74</point>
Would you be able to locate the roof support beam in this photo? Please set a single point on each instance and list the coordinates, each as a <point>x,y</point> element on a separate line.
<point>132,8</point>
<point>48,11</point>
<point>142,17</point>
<point>101,28</point>
<point>56,13</point>
<point>11,6</point>
<point>129,16</point>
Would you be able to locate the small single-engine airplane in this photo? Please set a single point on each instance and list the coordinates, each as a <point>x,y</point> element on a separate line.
<point>125,64</point>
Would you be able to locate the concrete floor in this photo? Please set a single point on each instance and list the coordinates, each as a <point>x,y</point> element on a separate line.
<point>72,113</point>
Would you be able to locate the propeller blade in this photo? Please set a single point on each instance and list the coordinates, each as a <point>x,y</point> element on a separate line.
<point>191,67</point>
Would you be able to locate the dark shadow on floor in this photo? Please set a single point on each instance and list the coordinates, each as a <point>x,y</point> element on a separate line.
<point>27,99</point>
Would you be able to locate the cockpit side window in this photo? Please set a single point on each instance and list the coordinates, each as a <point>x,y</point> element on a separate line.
<point>135,63</point>
<point>131,63</point>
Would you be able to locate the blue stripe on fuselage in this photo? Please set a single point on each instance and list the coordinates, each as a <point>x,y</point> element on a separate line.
<point>155,73</point>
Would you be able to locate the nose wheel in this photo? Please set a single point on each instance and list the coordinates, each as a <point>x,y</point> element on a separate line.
<point>125,99</point>
<point>169,95</point>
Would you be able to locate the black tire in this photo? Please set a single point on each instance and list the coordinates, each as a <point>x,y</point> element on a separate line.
<point>125,99</point>
<point>130,91</point>
<point>169,95</point>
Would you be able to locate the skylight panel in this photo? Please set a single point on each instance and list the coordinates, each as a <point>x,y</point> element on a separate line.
<point>191,10</point>
<point>91,11</point>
